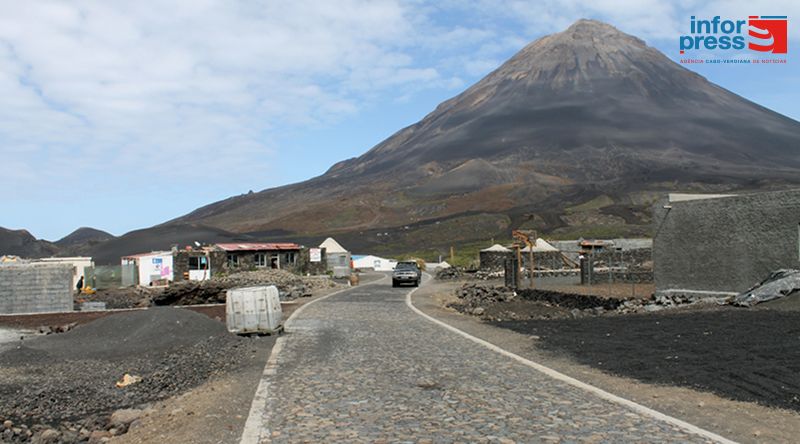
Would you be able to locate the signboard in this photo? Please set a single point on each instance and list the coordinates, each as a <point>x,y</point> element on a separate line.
<point>315,254</point>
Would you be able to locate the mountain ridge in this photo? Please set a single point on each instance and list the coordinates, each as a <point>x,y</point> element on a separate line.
<point>575,135</point>
<point>585,108</point>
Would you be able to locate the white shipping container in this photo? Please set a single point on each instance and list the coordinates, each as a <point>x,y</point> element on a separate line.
<point>253,310</point>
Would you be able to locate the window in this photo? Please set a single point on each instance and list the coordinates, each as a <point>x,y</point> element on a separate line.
<point>233,260</point>
<point>198,263</point>
<point>260,260</point>
<point>291,258</point>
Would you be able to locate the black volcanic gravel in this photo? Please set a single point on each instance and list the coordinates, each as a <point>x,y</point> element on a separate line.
<point>742,354</point>
<point>72,376</point>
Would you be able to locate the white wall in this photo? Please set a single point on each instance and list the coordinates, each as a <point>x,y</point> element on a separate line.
<point>375,262</point>
<point>155,264</point>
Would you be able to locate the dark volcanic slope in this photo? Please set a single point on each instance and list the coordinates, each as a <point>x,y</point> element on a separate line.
<point>22,243</point>
<point>83,235</point>
<point>157,238</point>
<point>588,112</point>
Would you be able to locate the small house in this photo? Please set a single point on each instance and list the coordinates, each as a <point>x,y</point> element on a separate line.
<point>494,258</point>
<point>337,256</point>
<point>545,255</point>
<point>281,256</point>
<point>147,269</point>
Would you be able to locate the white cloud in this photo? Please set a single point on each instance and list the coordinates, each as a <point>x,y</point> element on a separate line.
<point>153,89</point>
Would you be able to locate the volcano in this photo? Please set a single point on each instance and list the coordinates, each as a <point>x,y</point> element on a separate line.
<point>576,134</point>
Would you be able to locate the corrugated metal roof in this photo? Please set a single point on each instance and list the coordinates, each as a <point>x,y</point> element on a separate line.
<point>258,246</point>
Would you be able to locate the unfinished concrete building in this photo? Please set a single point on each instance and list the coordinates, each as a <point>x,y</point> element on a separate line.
<point>720,245</point>
<point>35,287</point>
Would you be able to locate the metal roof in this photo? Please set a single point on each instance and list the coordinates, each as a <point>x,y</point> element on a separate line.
<point>152,253</point>
<point>258,246</point>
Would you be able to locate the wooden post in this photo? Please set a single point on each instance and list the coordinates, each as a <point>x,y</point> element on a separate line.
<point>452,255</point>
<point>530,255</point>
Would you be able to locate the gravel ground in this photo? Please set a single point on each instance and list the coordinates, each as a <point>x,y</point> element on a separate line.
<point>71,377</point>
<point>742,354</point>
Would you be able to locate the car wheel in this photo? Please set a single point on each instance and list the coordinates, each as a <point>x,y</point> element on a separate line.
<point>416,284</point>
<point>394,283</point>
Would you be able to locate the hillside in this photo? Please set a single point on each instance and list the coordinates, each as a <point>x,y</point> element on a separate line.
<point>84,235</point>
<point>22,243</point>
<point>576,134</point>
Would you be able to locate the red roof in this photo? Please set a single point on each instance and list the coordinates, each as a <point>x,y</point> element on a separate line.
<point>258,246</point>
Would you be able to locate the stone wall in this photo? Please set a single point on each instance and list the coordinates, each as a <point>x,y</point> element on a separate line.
<point>725,245</point>
<point>627,277</point>
<point>636,258</point>
<point>546,259</point>
<point>35,288</point>
<point>493,260</point>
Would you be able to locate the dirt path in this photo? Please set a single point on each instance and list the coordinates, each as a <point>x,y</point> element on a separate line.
<point>742,421</point>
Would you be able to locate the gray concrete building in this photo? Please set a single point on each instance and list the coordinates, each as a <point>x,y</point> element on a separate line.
<point>35,288</point>
<point>724,244</point>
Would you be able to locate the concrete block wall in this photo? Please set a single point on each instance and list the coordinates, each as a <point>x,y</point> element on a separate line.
<point>724,245</point>
<point>35,288</point>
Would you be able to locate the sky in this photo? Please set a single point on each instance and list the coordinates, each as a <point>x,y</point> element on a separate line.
<point>121,115</point>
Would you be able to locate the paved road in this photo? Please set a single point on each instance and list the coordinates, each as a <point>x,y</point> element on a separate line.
<point>361,366</point>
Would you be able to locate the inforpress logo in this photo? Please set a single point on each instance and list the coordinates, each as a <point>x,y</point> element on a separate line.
<point>765,33</point>
<point>769,33</point>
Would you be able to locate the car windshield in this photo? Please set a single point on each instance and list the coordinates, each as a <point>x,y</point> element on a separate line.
<point>406,266</point>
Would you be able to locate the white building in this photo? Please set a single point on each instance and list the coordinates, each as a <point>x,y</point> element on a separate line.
<point>336,255</point>
<point>154,268</point>
<point>365,262</point>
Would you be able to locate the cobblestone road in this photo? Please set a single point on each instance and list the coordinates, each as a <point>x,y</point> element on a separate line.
<point>360,366</point>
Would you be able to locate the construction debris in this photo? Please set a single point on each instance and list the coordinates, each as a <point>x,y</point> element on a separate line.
<point>777,285</point>
<point>128,380</point>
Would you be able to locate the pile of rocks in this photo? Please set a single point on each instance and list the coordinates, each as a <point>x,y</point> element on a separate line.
<point>474,298</point>
<point>129,297</point>
<point>485,275</point>
<point>661,302</point>
<point>93,429</point>
<point>290,286</point>
<point>449,273</point>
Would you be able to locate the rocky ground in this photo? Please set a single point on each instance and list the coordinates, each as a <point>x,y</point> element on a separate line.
<point>496,302</point>
<point>743,354</point>
<point>65,387</point>
<point>290,286</point>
